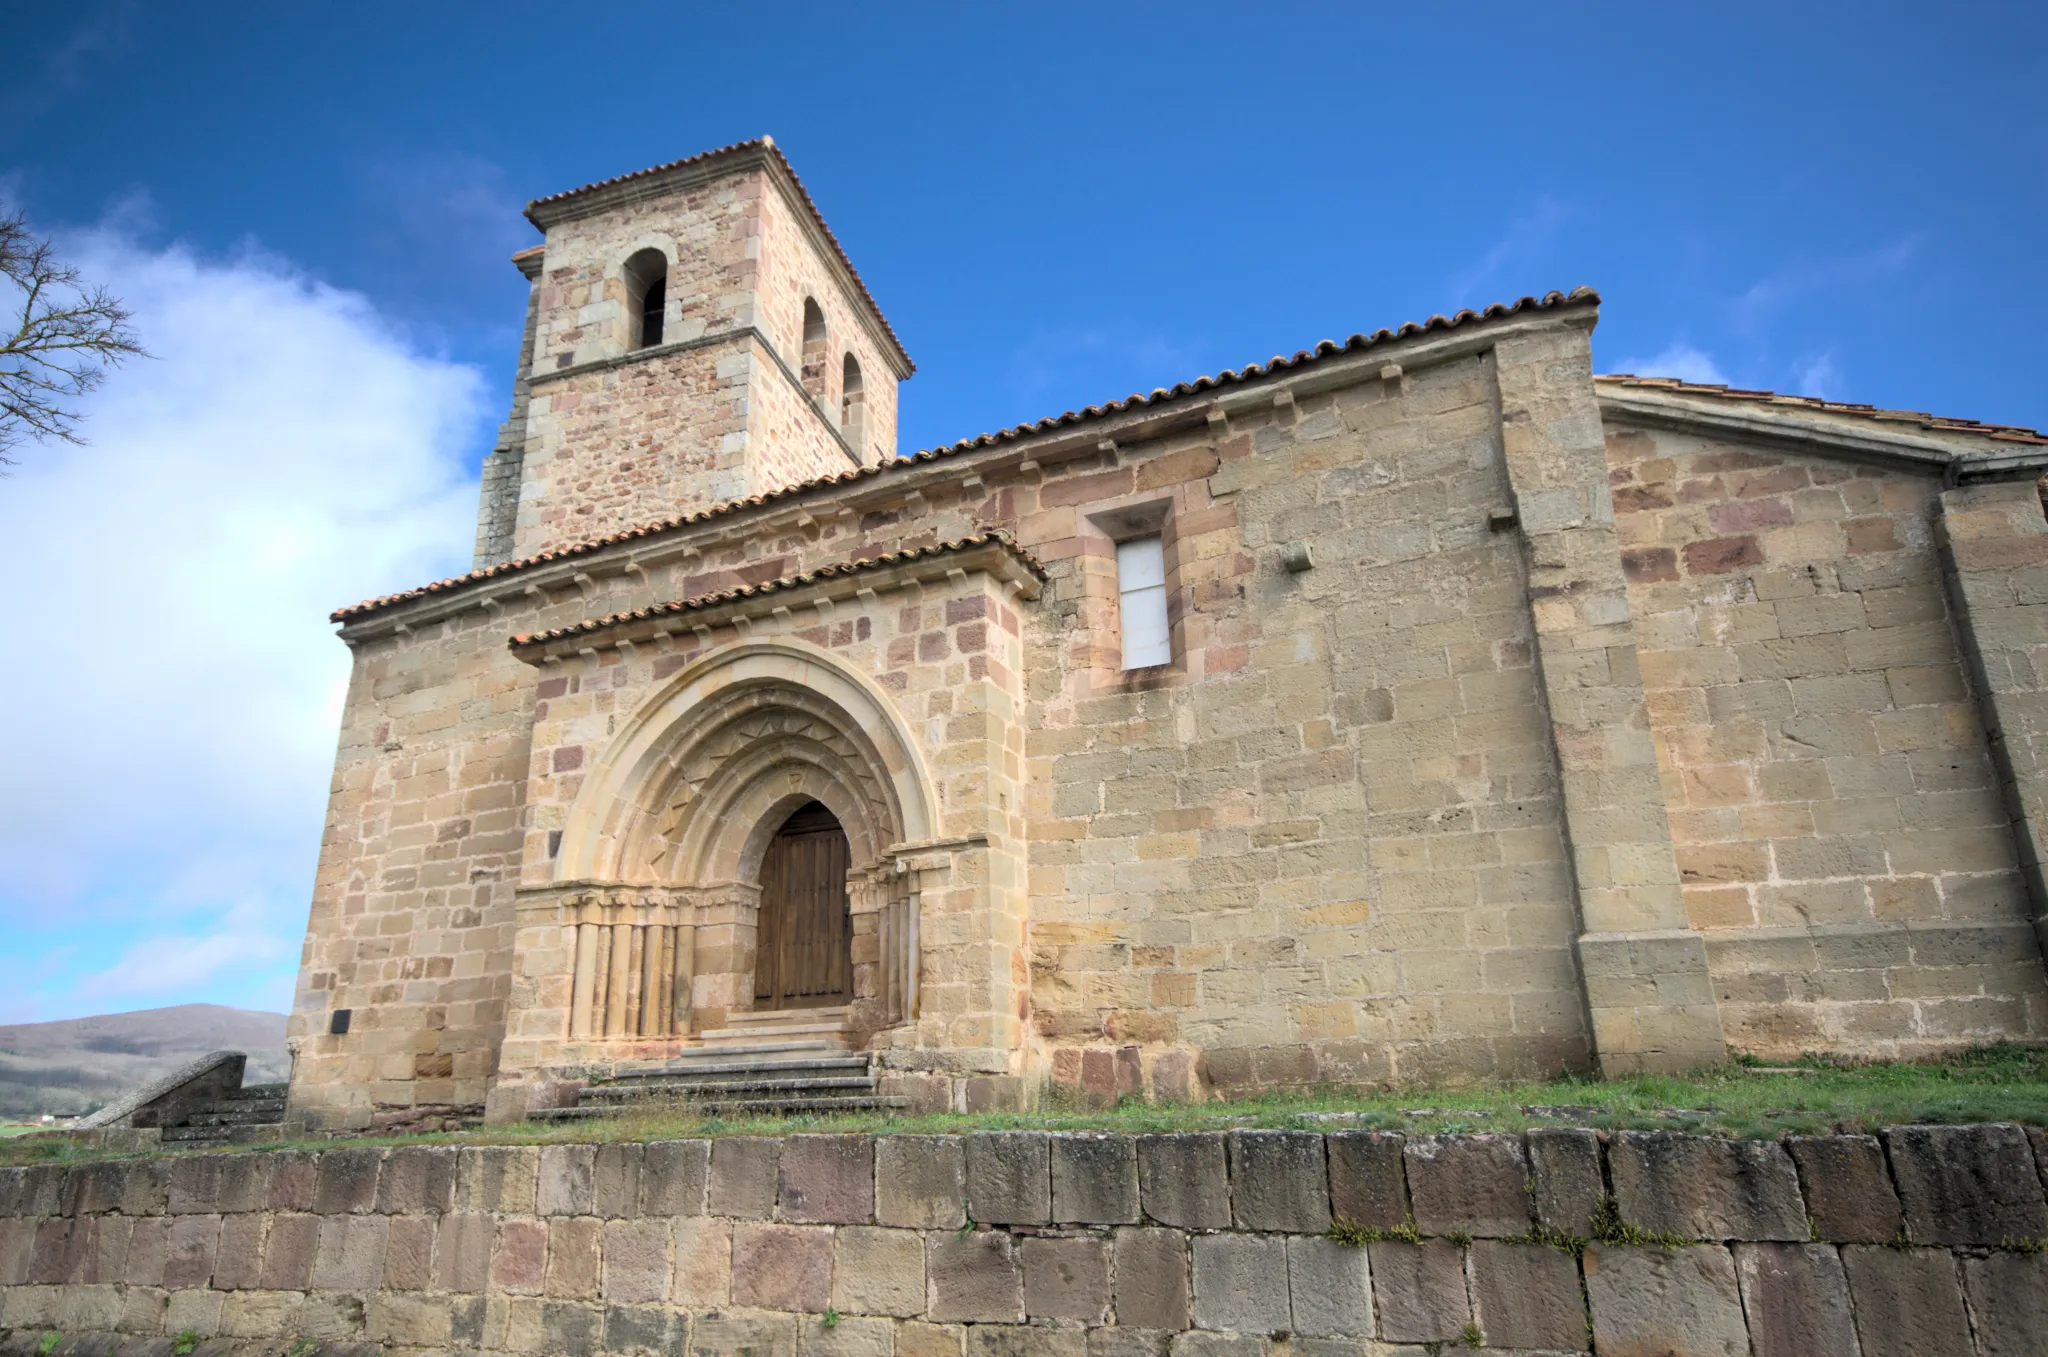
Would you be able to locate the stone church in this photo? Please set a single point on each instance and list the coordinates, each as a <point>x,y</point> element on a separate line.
<point>1416,707</point>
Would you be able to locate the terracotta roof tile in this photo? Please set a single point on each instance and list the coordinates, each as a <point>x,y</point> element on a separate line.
<point>994,537</point>
<point>2010,433</point>
<point>1136,401</point>
<point>758,143</point>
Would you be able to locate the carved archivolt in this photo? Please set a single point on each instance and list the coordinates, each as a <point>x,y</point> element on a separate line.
<point>691,789</point>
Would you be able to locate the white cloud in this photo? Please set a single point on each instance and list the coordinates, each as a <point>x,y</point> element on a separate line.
<point>1526,240</point>
<point>1679,359</point>
<point>173,686</point>
<point>1817,377</point>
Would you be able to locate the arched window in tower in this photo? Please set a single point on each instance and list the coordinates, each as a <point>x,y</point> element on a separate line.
<point>813,360</point>
<point>647,296</point>
<point>853,411</point>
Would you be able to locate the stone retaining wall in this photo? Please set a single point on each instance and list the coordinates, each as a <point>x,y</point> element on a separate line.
<point>1919,1240</point>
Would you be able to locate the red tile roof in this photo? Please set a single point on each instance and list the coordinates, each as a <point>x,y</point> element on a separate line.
<point>2010,433</point>
<point>757,144</point>
<point>1584,296</point>
<point>993,537</point>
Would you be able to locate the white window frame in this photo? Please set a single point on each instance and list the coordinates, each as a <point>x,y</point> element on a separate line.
<point>1145,637</point>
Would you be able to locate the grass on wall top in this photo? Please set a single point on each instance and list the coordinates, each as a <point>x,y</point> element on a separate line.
<point>1813,1096</point>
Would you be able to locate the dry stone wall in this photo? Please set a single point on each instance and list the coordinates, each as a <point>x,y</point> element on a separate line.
<point>1920,1240</point>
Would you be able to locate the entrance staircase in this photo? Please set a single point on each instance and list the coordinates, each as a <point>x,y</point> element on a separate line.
<point>252,1112</point>
<point>773,1063</point>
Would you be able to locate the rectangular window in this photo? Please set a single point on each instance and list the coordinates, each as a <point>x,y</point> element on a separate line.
<point>1141,599</point>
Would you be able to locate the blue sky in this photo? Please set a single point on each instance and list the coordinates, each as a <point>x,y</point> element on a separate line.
<point>1055,205</point>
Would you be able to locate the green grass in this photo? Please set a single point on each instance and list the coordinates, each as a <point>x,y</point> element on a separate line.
<point>1815,1095</point>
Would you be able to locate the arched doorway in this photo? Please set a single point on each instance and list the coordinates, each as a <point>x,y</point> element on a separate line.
<point>804,949</point>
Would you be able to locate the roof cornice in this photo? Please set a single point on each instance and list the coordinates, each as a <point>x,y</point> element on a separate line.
<point>993,553</point>
<point>1799,430</point>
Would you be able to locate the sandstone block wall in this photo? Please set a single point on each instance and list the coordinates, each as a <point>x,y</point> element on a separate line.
<point>1920,1240</point>
<point>1847,849</point>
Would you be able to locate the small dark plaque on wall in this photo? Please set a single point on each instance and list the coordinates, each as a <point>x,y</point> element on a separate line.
<point>337,1022</point>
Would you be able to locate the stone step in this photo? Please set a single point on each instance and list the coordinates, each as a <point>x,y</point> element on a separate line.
<point>737,1107</point>
<point>792,1067</point>
<point>697,1091</point>
<point>235,1116</point>
<point>820,1032</point>
<point>771,1017</point>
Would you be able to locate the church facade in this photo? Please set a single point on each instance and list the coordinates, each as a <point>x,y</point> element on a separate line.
<point>1415,707</point>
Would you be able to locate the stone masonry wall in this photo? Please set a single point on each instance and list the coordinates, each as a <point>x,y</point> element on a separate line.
<point>792,271</point>
<point>1922,1241</point>
<point>1843,840</point>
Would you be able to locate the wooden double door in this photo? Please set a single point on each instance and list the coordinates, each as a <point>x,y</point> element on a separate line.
<point>804,947</point>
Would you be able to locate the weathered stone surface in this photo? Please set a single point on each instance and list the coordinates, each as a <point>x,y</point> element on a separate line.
<point>567,1326</point>
<point>1967,1184</point>
<point>915,1338</point>
<point>878,1271</point>
<point>921,1182</point>
<point>1009,1178</point>
<point>1908,1302</point>
<point>519,1262</point>
<point>190,1260</point>
<point>280,1181</point>
<point>194,1186</point>
<point>417,1179</point>
<point>1419,1290</point>
<point>346,1180</point>
<point>350,1253</point>
<point>743,1176</point>
<point>1367,1183</point>
<point>974,1277</point>
<point>1653,1302</point>
<point>568,1181</point>
<point>615,1180</point>
<point>782,1267</point>
<point>1796,1299</point>
<point>644,1330</point>
<point>1094,1178</point>
<point>1241,1283</point>
<point>1151,1279</point>
<point>1279,1180</point>
<point>828,1179</point>
<point>497,1178</point>
<point>850,1337</point>
<point>1848,1189</point>
<point>1184,1179</point>
<point>1066,1278</point>
<point>1705,1187</point>
<point>1018,1340</point>
<point>409,1253</point>
<point>636,1262</point>
<point>2008,1295</point>
<point>289,1248</point>
<point>1475,1185</point>
<point>1331,1287</point>
<point>703,1255</point>
<point>730,1332</point>
<point>1565,1178</point>
<point>148,1250</point>
<point>1527,1295</point>
<point>575,1251</point>
<point>675,1176</point>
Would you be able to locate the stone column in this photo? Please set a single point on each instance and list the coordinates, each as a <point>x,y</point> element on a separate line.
<point>1644,969</point>
<point>1994,541</point>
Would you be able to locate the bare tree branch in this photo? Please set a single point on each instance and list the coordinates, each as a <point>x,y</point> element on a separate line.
<point>68,335</point>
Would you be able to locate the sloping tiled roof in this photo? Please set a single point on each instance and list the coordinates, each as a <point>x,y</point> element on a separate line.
<point>993,537</point>
<point>2009,433</point>
<point>761,144</point>
<point>1583,296</point>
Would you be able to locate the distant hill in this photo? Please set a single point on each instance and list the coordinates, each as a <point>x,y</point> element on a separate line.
<point>76,1065</point>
